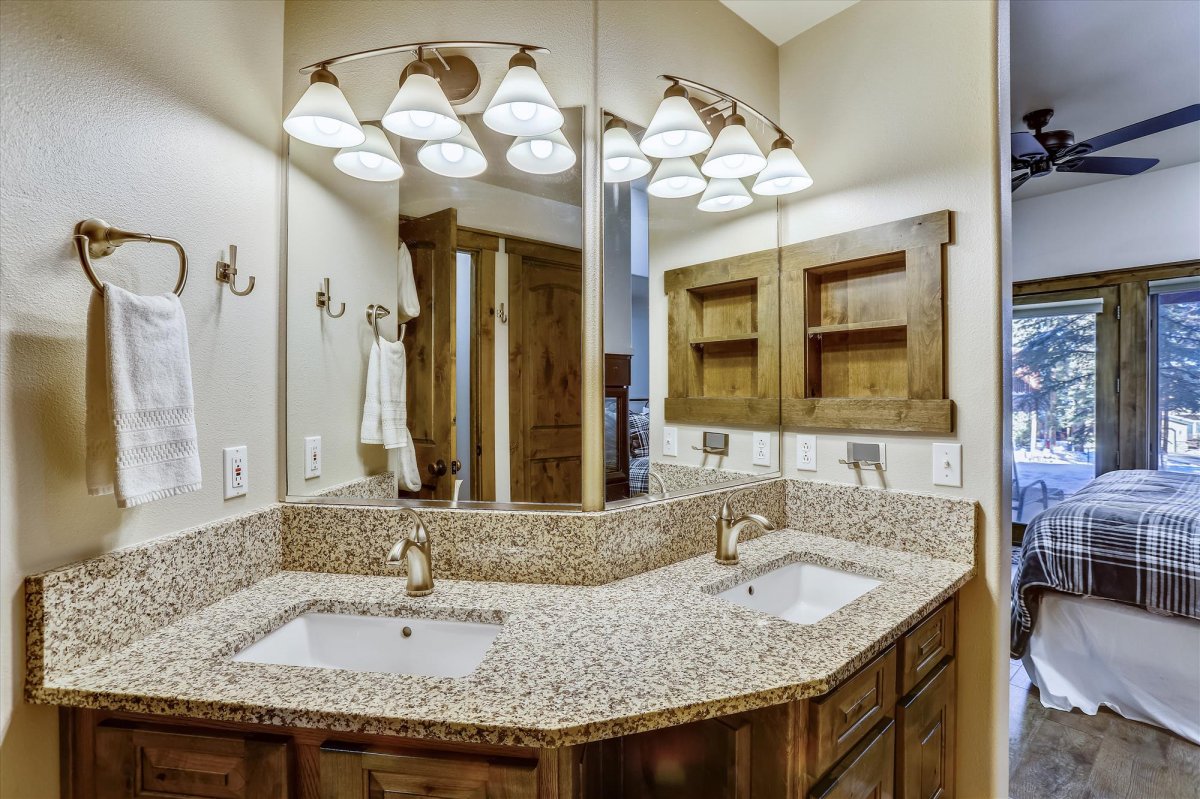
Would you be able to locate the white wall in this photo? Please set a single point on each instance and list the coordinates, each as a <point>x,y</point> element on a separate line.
<point>1146,219</point>
<point>894,111</point>
<point>162,117</point>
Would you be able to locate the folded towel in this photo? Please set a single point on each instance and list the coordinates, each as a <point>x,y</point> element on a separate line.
<point>385,406</point>
<point>141,428</point>
<point>371,431</point>
<point>408,476</point>
<point>409,304</point>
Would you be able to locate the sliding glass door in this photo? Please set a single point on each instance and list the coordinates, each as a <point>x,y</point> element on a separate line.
<point>1175,374</point>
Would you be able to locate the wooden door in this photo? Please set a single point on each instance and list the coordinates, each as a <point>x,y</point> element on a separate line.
<point>545,339</point>
<point>430,348</point>
<point>371,775</point>
<point>925,750</point>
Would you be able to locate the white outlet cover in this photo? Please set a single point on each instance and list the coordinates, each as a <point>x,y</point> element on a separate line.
<point>235,471</point>
<point>947,465</point>
<point>670,441</point>
<point>760,449</point>
<point>312,457</point>
<point>806,453</point>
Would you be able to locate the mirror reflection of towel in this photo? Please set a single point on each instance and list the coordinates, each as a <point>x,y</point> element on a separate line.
<point>385,411</point>
<point>409,304</point>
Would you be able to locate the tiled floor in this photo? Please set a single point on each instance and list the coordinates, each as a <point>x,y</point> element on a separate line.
<point>1056,755</point>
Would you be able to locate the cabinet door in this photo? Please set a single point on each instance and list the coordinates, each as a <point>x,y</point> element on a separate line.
<point>866,772</point>
<point>703,760</point>
<point>133,762</point>
<point>925,754</point>
<point>372,775</point>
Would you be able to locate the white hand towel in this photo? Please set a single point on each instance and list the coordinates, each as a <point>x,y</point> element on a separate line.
<point>409,304</point>
<point>141,428</point>
<point>393,402</point>
<point>371,431</point>
<point>408,476</point>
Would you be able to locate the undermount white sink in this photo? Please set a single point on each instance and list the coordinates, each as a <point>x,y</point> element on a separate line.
<point>803,593</point>
<point>431,647</point>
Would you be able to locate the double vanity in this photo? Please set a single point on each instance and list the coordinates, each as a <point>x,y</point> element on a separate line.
<point>226,662</point>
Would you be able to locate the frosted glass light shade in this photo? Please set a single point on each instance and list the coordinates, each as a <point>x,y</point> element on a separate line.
<point>542,155</point>
<point>734,154</point>
<point>374,159</point>
<point>522,105</point>
<point>623,160</point>
<point>724,194</point>
<point>324,118</point>
<point>421,111</point>
<point>676,177</point>
<point>783,174</point>
<point>459,157</point>
<point>676,130</point>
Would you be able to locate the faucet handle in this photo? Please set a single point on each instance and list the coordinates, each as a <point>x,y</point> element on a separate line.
<point>727,504</point>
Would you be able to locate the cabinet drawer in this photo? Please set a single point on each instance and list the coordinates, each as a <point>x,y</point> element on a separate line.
<point>134,762</point>
<point>839,720</point>
<point>926,729</point>
<point>867,771</point>
<point>354,774</point>
<point>924,646</point>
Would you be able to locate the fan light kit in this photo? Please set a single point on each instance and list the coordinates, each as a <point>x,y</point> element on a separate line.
<point>679,131</point>
<point>423,110</point>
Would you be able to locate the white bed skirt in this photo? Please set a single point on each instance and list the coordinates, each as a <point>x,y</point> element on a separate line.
<point>1087,652</point>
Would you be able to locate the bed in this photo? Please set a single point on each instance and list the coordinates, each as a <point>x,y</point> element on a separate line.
<point>1106,599</point>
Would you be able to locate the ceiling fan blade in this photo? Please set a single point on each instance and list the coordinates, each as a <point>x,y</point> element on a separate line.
<point>1137,130</point>
<point>1024,145</point>
<point>1105,165</point>
<point>1019,181</point>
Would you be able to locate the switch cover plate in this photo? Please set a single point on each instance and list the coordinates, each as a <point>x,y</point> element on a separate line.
<point>670,441</point>
<point>312,457</point>
<point>236,475</point>
<point>947,465</point>
<point>806,453</point>
<point>760,449</point>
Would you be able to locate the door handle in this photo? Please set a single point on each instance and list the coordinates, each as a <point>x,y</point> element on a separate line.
<point>455,466</point>
<point>437,469</point>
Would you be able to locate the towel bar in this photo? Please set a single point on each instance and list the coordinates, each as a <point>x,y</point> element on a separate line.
<point>95,238</point>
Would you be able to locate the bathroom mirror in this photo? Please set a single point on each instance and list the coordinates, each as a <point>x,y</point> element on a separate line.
<point>491,363</point>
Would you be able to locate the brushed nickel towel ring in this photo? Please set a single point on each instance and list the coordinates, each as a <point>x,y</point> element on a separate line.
<point>95,238</point>
<point>325,302</point>
<point>374,314</point>
<point>227,273</point>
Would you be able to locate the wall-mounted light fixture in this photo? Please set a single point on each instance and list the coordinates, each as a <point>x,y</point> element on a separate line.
<point>734,154</point>
<point>676,177</point>
<point>322,116</point>
<point>676,130</point>
<point>623,159</point>
<point>374,159</point>
<point>724,194</point>
<point>522,106</point>
<point>542,155</point>
<point>460,157</point>
<point>783,173</point>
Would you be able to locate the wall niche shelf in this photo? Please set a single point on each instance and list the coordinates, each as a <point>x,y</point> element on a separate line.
<point>870,352</point>
<point>722,339</point>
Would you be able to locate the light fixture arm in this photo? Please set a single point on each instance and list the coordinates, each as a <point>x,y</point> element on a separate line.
<point>738,105</point>
<point>416,47</point>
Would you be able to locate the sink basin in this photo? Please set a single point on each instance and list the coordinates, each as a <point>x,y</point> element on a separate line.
<point>433,648</point>
<point>803,593</point>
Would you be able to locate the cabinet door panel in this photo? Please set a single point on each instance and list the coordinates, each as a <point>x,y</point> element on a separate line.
<point>925,754</point>
<point>703,760</point>
<point>866,772</point>
<point>371,775</point>
<point>839,719</point>
<point>925,646</point>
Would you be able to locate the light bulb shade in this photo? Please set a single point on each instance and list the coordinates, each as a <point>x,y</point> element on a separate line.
<point>783,174</point>
<point>724,194</point>
<point>676,130</point>
<point>374,159</point>
<point>623,160</point>
<point>459,157</point>
<point>676,177</point>
<point>324,118</point>
<point>542,155</point>
<point>421,111</point>
<point>522,105</point>
<point>734,154</point>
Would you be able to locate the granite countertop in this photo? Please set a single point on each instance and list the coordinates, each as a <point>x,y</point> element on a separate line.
<point>572,663</point>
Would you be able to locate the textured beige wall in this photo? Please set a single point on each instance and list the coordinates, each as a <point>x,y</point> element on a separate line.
<point>893,106</point>
<point>157,116</point>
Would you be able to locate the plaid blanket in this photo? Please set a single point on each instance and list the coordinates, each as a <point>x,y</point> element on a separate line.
<point>1129,536</point>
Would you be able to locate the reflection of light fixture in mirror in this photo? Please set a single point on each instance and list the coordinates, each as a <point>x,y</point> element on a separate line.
<point>623,160</point>
<point>542,155</point>
<point>374,159</point>
<point>522,105</point>
<point>420,109</point>
<point>322,116</point>
<point>676,177</point>
<point>783,173</point>
<point>676,131</point>
<point>459,157</point>
<point>734,154</point>
<point>724,194</point>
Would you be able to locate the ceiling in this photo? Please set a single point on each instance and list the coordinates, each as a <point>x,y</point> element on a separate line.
<point>1102,66</point>
<point>782,20</point>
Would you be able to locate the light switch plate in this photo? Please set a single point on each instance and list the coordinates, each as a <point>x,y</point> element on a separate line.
<point>947,465</point>
<point>806,453</point>
<point>670,442</point>
<point>312,457</point>
<point>236,476</point>
<point>760,449</point>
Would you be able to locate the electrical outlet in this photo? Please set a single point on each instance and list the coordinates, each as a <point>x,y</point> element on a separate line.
<point>947,465</point>
<point>760,449</point>
<point>806,453</point>
<point>237,479</point>
<point>312,457</point>
<point>670,441</point>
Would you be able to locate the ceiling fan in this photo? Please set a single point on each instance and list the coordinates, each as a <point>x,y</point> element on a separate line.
<point>1038,153</point>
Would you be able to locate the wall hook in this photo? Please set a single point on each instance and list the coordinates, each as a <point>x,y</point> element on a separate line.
<point>325,301</point>
<point>227,273</point>
<point>501,315</point>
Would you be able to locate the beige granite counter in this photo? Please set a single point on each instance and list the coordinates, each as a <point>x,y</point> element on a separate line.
<point>572,664</point>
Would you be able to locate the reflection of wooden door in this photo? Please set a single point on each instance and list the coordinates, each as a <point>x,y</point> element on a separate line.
<point>545,347</point>
<point>429,344</point>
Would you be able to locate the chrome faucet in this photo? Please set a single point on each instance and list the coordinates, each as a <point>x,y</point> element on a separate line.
<point>653,477</point>
<point>728,527</point>
<point>415,547</point>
